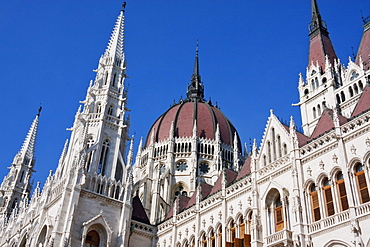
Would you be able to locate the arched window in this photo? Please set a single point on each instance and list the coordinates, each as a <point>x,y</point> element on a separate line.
<point>279,215</point>
<point>328,197</point>
<point>338,99</point>
<point>360,85</point>
<point>98,108</point>
<point>316,82</point>
<point>315,203</point>
<point>314,112</point>
<point>42,237</point>
<point>285,149</point>
<point>106,78</point>
<point>219,236</point>
<point>22,176</point>
<point>269,151</point>
<point>114,80</point>
<point>341,187</point>
<point>264,160</point>
<point>318,110</point>
<point>231,234</point>
<point>273,144</point>
<point>361,183</point>
<point>355,88</point>
<point>92,239</point>
<point>89,144</point>
<point>279,146</point>
<point>350,90</point>
<point>241,237</point>
<point>110,110</point>
<point>313,84</point>
<point>212,239</point>
<point>103,158</point>
<point>204,240</point>
<point>342,96</point>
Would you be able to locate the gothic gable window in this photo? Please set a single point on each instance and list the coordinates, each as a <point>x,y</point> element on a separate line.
<point>315,205</point>
<point>103,158</point>
<point>341,187</point>
<point>181,166</point>
<point>180,190</point>
<point>361,183</point>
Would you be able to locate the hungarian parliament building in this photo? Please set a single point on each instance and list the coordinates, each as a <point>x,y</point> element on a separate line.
<point>189,183</point>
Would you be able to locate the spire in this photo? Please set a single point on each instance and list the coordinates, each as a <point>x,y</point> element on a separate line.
<point>320,43</point>
<point>116,43</point>
<point>364,49</point>
<point>195,88</point>
<point>28,148</point>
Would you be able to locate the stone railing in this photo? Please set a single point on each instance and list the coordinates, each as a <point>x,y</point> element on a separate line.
<point>363,209</point>
<point>283,237</point>
<point>329,222</point>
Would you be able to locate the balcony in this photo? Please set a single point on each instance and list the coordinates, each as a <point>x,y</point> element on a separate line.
<point>281,238</point>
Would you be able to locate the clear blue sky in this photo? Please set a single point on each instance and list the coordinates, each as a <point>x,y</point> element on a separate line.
<point>251,53</point>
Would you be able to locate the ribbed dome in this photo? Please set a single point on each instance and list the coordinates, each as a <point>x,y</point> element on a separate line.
<point>194,107</point>
<point>183,115</point>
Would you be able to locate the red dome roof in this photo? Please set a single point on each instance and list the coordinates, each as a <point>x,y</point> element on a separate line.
<point>183,115</point>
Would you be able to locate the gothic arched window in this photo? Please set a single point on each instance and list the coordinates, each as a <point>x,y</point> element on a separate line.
<point>89,144</point>
<point>103,158</point>
<point>361,183</point>
<point>110,110</point>
<point>279,215</point>
<point>314,112</point>
<point>341,187</point>
<point>92,239</point>
<point>328,197</point>
<point>315,203</point>
<point>114,80</point>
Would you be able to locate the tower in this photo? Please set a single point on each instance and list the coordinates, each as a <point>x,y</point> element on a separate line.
<point>16,186</point>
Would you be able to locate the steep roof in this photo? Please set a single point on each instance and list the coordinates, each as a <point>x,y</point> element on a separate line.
<point>364,49</point>
<point>246,169</point>
<point>138,211</point>
<point>205,191</point>
<point>182,202</point>
<point>230,177</point>
<point>320,43</point>
<point>326,123</point>
<point>364,102</point>
<point>302,139</point>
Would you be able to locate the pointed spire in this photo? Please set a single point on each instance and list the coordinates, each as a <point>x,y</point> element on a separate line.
<point>28,148</point>
<point>195,88</point>
<point>320,43</point>
<point>116,43</point>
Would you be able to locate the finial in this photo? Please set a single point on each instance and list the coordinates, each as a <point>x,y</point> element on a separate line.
<point>123,6</point>
<point>39,110</point>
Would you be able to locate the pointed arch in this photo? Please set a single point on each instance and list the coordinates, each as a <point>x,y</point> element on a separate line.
<point>103,157</point>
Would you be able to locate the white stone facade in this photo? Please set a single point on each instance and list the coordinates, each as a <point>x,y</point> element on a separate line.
<point>295,189</point>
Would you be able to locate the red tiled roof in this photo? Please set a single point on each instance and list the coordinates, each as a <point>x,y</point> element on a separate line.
<point>182,203</point>
<point>364,103</point>
<point>246,169</point>
<point>230,177</point>
<point>326,123</point>
<point>364,49</point>
<point>205,190</point>
<point>138,211</point>
<point>320,46</point>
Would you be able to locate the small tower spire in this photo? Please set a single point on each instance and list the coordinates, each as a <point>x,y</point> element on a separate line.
<point>115,48</point>
<point>320,43</point>
<point>195,88</point>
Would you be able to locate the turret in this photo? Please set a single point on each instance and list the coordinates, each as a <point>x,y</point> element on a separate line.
<point>363,54</point>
